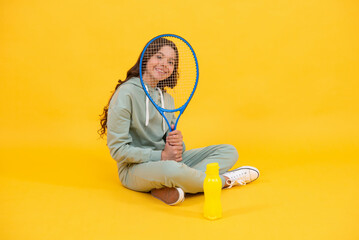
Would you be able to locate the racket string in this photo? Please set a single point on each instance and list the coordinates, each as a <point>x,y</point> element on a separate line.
<point>181,83</point>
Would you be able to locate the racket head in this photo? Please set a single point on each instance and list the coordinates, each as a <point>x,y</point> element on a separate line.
<point>182,82</point>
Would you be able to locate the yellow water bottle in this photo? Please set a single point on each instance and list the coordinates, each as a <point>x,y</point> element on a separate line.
<point>212,192</point>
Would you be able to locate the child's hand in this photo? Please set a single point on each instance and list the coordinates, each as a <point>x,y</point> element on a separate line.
<point>173,148</point>
<point>175,137</point>
<point>172,153</point>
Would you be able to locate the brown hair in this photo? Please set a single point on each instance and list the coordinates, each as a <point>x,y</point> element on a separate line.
<point>151,50</point>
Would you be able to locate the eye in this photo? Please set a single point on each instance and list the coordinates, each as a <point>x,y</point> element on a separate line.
<point>171,63</point>
<point>159,56</point>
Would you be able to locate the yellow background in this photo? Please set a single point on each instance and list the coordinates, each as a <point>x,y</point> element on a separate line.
<point>278,80</point>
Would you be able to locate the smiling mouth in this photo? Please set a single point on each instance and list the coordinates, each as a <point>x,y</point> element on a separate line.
<point>161,71</point>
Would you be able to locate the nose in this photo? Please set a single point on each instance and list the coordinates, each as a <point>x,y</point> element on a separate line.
<point>164,62</point>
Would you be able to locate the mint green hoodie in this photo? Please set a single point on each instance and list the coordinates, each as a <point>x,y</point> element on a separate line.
<point>128,138</point>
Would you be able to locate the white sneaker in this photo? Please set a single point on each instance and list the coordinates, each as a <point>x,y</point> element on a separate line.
<point>241,176</point>
<point>170,196</point>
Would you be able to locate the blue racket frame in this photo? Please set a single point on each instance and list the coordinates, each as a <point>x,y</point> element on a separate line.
<point>160,109</point>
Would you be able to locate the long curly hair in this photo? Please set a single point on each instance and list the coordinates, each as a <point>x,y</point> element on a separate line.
<point>134,71</point>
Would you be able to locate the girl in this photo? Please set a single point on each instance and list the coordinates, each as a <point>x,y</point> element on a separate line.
<point>149,157</point>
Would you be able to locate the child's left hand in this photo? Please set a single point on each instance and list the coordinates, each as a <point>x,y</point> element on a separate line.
<point>175,137</point>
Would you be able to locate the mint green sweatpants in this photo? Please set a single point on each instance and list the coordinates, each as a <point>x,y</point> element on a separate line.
<point>188,174</point>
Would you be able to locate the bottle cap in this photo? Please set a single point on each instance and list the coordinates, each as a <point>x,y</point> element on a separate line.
<point>212,169</point>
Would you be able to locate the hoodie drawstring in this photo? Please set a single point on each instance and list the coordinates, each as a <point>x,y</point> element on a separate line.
<point>147,113</point>
<point>163,106</point>
<point>147,109</point>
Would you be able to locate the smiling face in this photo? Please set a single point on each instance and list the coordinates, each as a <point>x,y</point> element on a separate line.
<point>160,66</point>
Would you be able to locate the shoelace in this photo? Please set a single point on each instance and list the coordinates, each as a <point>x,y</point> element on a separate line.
<point>231,183</point>
<point>238,178</point>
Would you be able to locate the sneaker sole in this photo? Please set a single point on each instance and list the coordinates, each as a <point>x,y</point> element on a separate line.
<point>180,198</point>
<point>247,167</point>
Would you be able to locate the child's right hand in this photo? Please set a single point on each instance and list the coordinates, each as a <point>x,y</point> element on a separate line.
<point>172,152</point>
